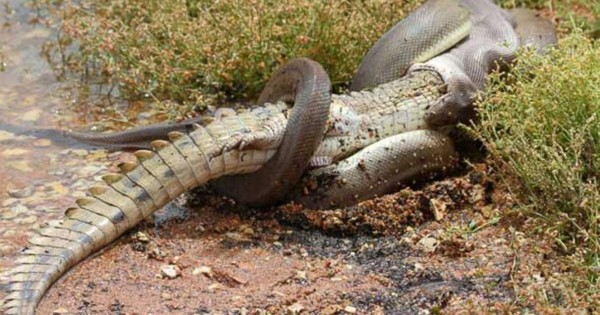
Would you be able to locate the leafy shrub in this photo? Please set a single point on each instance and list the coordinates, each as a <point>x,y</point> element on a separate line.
<point>185,51</point>
<point>541,123</point>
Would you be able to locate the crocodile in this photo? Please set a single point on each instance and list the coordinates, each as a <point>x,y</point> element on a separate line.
<point>233,144</point>
<point>381,118</point>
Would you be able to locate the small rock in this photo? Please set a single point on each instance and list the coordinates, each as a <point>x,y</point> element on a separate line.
<point>234,236</point>
<point>23,192</point>
<point>486,211</point>
<point>205,270</point>
<point>80,152</point>
<point>144,116</point>
<point>9,202</point>
<point>60,311</point>
<point>89,170</point>
<point>277,245</point>
<point>438,207</point>
<point>428,244</point>
<point>58,187</point>
<point>21,166</point>
<point>331,310</point>
<point>32,115</point>
<point>214,287</point>
<point>419,267</point>
<point>6,249</point>
<point>14,152</point>
<point>295,308</point>
<point>477,194</point>
<point>40,143</point>
<point>247,230</point>
<point>9,233</point>
<point>301,275</point>
<point>170,271</point>
<point>27,220</point>
<point>57,172</point>
<point>142,237</point>
<point>19,208</point>
<point>78,194</point>
<point>350,309</point>
<point>5,135</point>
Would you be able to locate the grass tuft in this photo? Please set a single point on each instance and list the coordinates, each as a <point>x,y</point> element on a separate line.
<point>188,51</point>
<point>541,124</point>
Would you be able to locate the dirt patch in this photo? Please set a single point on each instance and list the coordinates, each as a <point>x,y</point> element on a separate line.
<point>439,248</point>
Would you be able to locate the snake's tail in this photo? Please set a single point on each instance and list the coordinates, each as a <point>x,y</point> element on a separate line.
<point>379,169</point>
<point>133,138</point>
<point>121,202</point>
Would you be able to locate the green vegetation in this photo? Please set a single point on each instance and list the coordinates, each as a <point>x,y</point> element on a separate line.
<point>2,62</point>
<point>541,124</point>
<point>579,13</point>
<point>188,51</point>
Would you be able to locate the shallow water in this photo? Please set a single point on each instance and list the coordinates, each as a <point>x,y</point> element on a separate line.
<point>38,178</point>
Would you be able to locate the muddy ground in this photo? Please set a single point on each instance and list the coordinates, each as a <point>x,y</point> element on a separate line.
<point>441,248</point>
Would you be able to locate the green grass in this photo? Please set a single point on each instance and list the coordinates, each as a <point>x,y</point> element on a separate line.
<point>197,50</point>
<point>541,125</point>
<point>2,60</point>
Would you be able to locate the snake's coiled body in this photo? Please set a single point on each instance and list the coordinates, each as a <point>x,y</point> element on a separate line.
<point>306,83</point>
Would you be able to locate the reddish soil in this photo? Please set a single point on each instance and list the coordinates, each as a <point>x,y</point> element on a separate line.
<point>387,255</point>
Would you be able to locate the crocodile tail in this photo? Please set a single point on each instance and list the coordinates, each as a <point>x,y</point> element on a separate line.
<point>111,209</point>
<point>122,201</point>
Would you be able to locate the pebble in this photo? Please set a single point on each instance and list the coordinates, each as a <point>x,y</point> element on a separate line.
<point>142,237</point>
<point>57,187</point>
<point>42,143</point>
<point>439,208</point>
<point>301,275</point>
<point>89,170</point>
<point>214,287</point>
<point>78,194</point>
<point>80,152</point>
<point>14,152</point>
<point>278,245</point>
<point>21,166</point>
<point>9,201</point>
<point>60,311</point>
<point>23,192</point>
<point>144,116</point>
<point>8,215</point>
<point>428,244</point>
<point>295,308</point>
<point>205,270</point>
<point>350,309</point>
<point>32,115</point>
<point>5,135</point>
<point>170,271</point>
<point>27,220</point>
<point>58,172</point>
<point>19,208</point>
